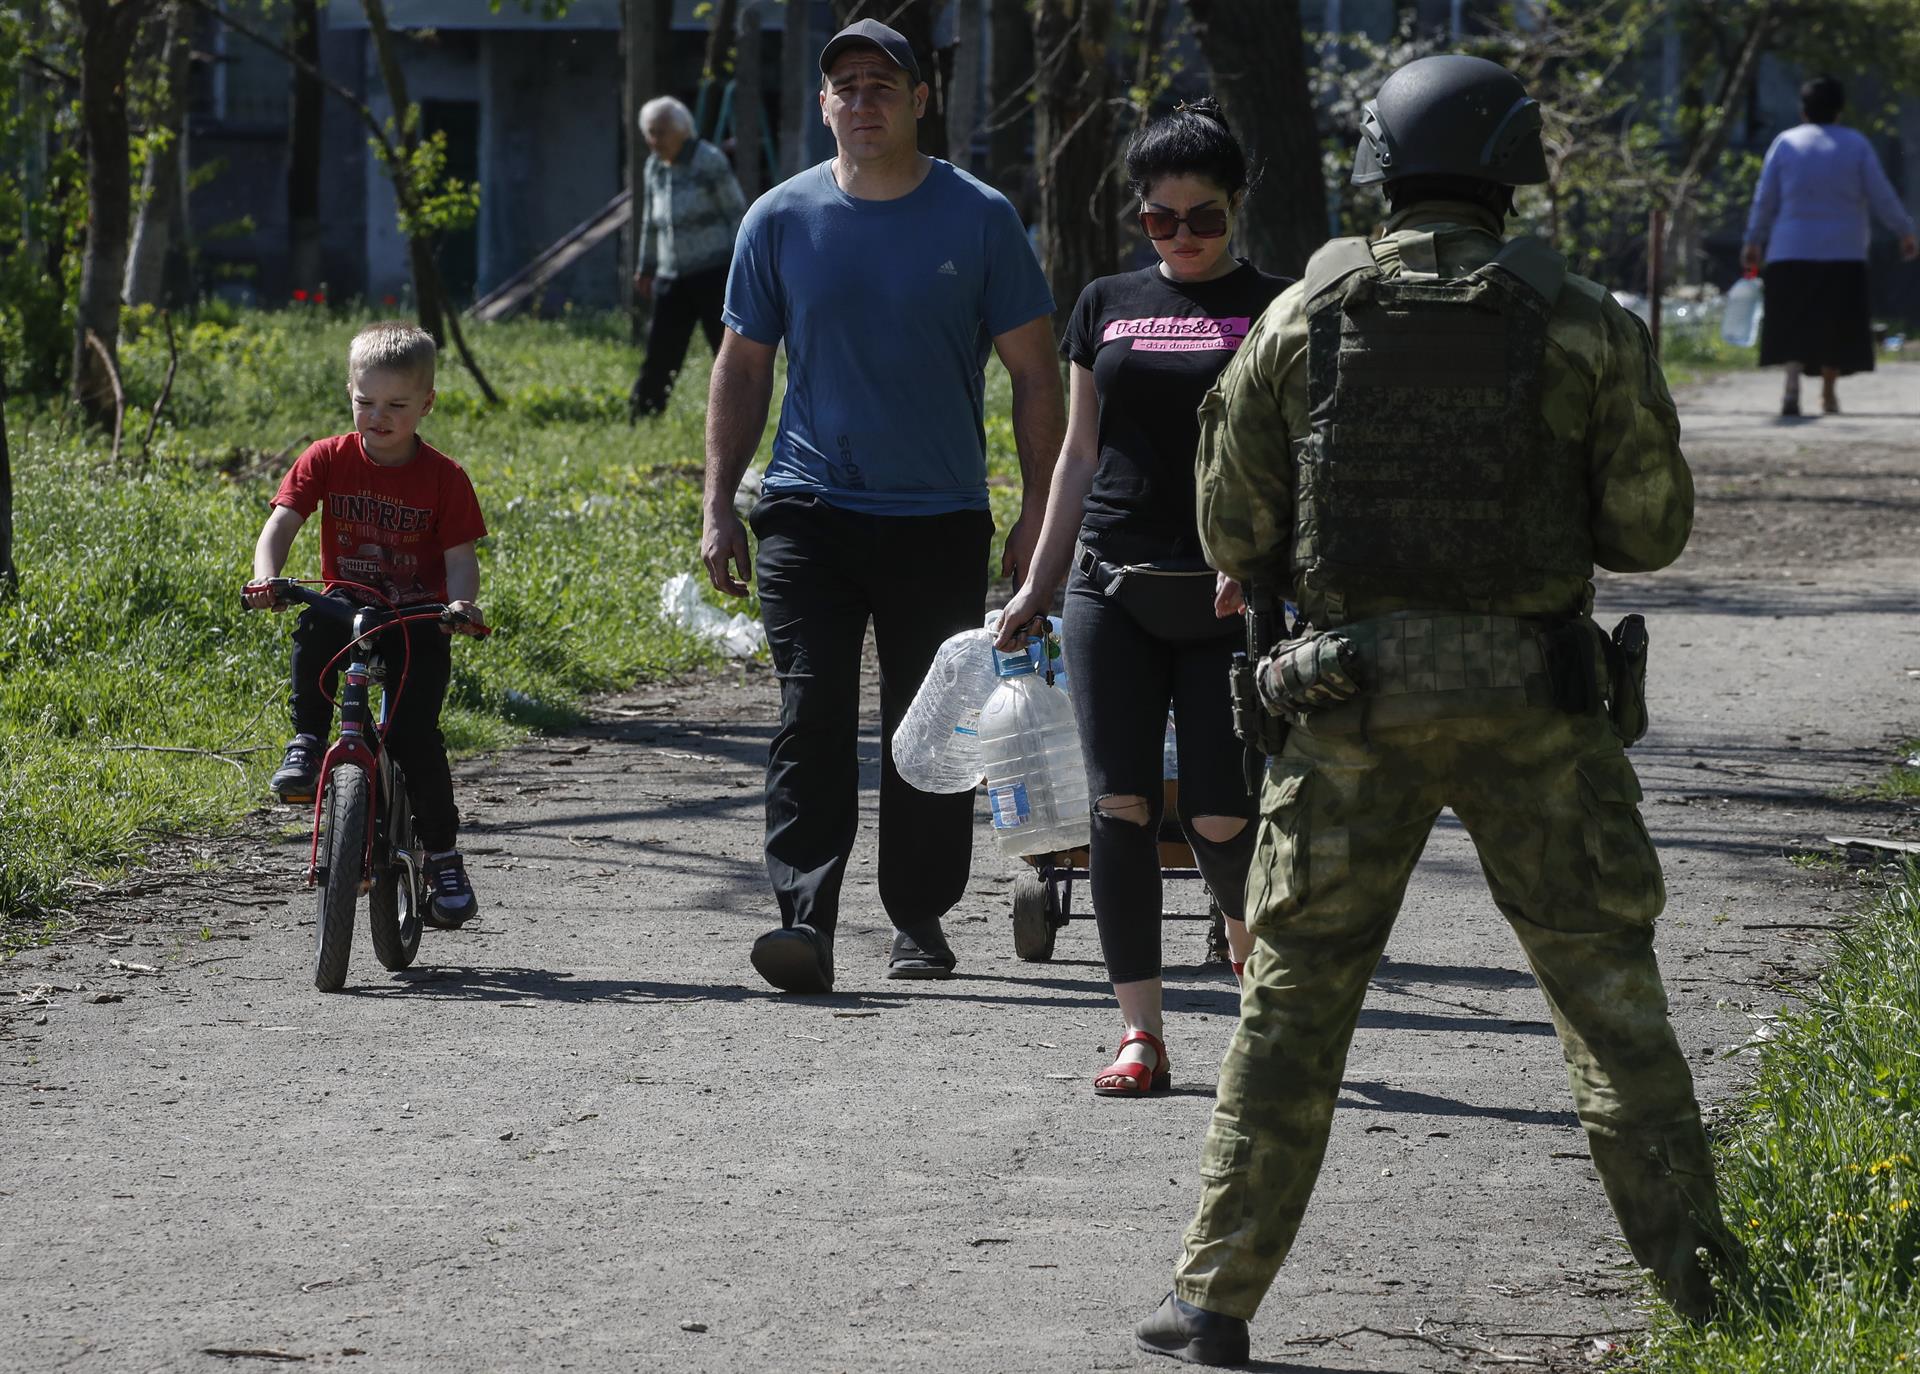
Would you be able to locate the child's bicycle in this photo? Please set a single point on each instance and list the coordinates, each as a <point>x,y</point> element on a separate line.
<point>362,822</point>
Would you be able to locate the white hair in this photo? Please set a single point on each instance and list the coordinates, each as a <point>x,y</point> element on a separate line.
<point>664,109</point>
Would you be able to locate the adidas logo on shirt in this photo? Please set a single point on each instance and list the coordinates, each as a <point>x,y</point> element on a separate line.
<point>947,269</point>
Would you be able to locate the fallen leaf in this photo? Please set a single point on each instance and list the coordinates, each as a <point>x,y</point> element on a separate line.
<point>695,1327</point>
<point>106,997</point>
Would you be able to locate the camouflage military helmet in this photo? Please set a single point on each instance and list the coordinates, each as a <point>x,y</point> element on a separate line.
<point>1451,116</point>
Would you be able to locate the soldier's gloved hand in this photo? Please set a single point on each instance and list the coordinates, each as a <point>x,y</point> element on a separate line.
<point>1310,674</point>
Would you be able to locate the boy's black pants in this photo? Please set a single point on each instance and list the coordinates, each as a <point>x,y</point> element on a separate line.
<point>823,573</point>
<point>415,739</point>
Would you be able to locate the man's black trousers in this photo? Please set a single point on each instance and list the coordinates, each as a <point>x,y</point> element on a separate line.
<point>415,739</point>
<point>823,573</point>
<point>679,303</point>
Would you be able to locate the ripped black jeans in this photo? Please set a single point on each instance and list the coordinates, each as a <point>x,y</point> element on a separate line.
<point>1123,680</point>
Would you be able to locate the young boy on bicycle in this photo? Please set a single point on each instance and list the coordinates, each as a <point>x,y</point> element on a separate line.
<point>398,527</point>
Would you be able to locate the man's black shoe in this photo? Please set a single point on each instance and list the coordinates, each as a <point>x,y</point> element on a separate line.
<point>1193,1334</point>
<point>795,959</point>
<point>299,771</point>
<point>921,951</point>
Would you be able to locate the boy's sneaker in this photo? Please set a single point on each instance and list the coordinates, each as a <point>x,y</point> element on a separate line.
<point>299,772</point>
<point>450,900</point>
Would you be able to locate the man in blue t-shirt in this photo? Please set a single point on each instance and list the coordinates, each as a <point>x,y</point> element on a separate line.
<point>889,275</point>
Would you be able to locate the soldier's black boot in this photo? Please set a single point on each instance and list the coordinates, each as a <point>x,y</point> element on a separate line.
<point>1193,1334</point>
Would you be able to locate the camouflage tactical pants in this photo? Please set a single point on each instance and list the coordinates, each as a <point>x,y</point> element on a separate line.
<point>1550,802</point>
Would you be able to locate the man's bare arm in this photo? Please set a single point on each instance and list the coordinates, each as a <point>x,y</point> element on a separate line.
<point>1039,426</point>
<point>736,415</point>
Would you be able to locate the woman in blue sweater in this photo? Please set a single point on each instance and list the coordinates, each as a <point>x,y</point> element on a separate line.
<point>1809,224</point>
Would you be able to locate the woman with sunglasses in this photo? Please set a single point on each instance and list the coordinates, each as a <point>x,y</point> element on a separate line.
<point>1148,626</point>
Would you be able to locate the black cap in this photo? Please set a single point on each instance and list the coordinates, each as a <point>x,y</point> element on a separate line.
<point>871,33</point>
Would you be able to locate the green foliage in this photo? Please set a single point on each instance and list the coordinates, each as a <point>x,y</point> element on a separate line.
<point>1820,1176</point>
<point>128,628</point>
<point>432,202</point>
<point>42,199</point>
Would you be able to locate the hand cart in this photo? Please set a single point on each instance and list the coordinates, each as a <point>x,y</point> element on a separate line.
<point>1043,895</point>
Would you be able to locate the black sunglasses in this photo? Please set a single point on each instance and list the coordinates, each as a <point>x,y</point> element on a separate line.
<point>1208,222</point>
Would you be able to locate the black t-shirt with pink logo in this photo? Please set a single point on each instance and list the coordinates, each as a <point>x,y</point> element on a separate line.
<point>1155,348</point>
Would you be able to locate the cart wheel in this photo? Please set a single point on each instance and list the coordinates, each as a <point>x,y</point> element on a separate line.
<point>1218,951</point>
<point>1032,927</point>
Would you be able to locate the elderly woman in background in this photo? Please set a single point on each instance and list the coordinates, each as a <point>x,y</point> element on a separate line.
<point>689,214</point>
<point>1809,224</point>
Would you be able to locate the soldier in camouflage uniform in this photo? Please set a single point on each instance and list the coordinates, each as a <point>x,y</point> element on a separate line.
<point>1428,444</point>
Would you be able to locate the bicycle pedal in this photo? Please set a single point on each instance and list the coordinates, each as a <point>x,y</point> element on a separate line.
<point>295,798</point>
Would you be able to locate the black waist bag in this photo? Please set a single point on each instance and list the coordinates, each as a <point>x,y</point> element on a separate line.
<point>1171,599</point>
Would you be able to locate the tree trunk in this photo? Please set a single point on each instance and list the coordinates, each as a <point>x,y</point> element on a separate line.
<point>1258,59</point>
<point>1681,249</point>
<point>1009,107</point>
<point>638,23</point>
<point>106,43</point>
<point>748,109</point>
<point>1073,145</point>
<point>305,267</point>
<point>426,280</point>
<point>1150,28</point>
<point>717,68</point>
<point>963,94</point>
<point>148,253</point>
<point>799,89</point>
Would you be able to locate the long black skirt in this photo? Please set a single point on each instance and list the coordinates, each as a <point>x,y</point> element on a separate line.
<point>1819,315</point>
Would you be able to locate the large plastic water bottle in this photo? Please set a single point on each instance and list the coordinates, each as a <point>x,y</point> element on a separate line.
<point>1170,752</point>
<point>1036,779</point>
<point>1746,304</point>
<point>937,746</point>
<point>1045,653</point>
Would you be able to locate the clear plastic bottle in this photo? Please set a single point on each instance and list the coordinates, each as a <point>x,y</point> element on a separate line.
<point>1169,753</point>
<point>1046,652</point>
<point>937,746</point>
<point>1746,303</point>
<point>1036,779</point>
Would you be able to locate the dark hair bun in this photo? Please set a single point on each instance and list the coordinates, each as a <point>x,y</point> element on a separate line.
<point>1206,107</point>
<point>1194,140</point>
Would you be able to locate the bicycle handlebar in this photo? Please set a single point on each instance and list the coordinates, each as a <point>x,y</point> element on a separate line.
<point>287,589</point>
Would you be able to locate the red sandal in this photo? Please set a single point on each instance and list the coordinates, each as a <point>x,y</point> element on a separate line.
<point>1127,1079</point>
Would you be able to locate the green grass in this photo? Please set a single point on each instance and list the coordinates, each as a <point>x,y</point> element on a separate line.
<point>1820,1175</point>
<point>1690,355</point>
<point>1902,782</point>
<point>128,630</point>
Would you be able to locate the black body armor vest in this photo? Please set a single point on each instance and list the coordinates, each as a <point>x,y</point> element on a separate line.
<point>1430,475</point>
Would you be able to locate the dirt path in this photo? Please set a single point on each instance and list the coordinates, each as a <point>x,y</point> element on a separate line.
<point>581,1129</point>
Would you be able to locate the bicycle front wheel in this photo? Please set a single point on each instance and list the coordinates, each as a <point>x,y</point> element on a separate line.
<point>345,851</point>
<point>394,905</point>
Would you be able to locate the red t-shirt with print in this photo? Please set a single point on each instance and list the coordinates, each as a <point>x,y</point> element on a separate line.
<point>384,527</point>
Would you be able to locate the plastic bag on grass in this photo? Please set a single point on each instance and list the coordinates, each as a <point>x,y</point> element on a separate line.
<point>737,636</point>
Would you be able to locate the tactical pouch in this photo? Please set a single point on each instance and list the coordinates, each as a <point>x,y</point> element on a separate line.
<point>1627,679</point>
<point>1573,665</point>
<point>1310,674</point>
<point>1171,600</point>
